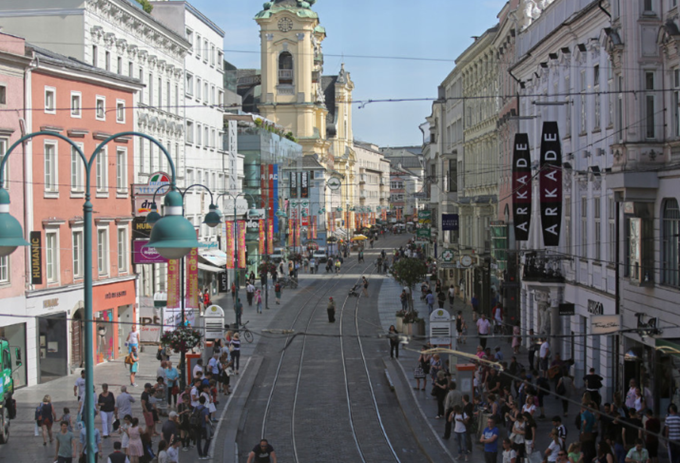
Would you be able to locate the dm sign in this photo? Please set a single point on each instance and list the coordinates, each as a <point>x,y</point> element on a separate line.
<point>550,184</point>
<point>521,187</point>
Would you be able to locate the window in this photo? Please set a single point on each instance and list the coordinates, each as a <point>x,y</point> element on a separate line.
<point>107,57</point>
<point>198,134</point>
<point>584,227</point>
<point>619,108</point>
<point>51,257</point>
<point>190,132</point>
<point>141,79</point>
<point>610,96</point>
<point>168,101</point>
<point>206,138</point>
<point>119,65</point>
<point>77,176</point>
<point>219,60</point>
<point>50,100</point>
<point>4,269</point>
<point>150,89</point>
<point>567,90</point>
<point>3,94</point>
<point>205,92</point>
<point>121,170</point>
<point>189,86</point>
<point>205,50</point>
<point>76,104</point>
<point>3,149</point>
<point>103,251</point>
<point>122,250</point>
<point>131,69</point>
<point>597,239</point>
<point>78,249</point>
<point>584,86</point>
<point>675,106</point>
<point>670,268</point>
<point>212,138</point>
<point>220,99</point>
<point>596,88</point>
<point>212,55</point>
<point>101,108</point>
<point>648,7</point>
<point>101,174</point>
<point>198,88</point>
<point>649,103</point>
<point>94,55</point>
<point>160,93</point>
<point>567,225</point>
<point>190,38</point>
<point>285,68</point>
<point>50,150</point>
<point>198,46</point>
<point>611,213</point>
<point>120,111</point>
<point>176,107</point>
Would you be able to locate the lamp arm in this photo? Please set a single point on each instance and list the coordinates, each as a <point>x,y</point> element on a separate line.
<point>201,186</point>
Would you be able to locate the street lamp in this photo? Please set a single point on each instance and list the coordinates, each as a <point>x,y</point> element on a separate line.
<point>175,237</point>
<point>174,217</point>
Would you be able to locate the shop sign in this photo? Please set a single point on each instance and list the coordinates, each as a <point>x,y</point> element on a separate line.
<point>423,233</point>
<point>51,303</point>
<point>595,307</point>
<point>36,257</point>
<point>208,245</point>
<point>550,184</point>
<point>223,282</point>
<point>605,324</point>
<point>304,184</point>
<point>450,222</point>
<point>156,180</point>
<point>142,254</point>
<point>521,185</point>
<point>567,309</point>
<point>334,183</point>
<point>115,295</point>
<point>293,184</point>
<point>141,229</point>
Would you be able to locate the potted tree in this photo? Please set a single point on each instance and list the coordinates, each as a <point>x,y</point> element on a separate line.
<point>409,271</point>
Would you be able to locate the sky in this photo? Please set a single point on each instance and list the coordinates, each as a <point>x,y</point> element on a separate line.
<point>378,41</point>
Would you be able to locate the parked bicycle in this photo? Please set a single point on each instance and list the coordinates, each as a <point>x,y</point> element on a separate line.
<point>245,332</point>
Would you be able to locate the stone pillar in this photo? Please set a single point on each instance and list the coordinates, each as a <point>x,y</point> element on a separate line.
<point>555,325</point>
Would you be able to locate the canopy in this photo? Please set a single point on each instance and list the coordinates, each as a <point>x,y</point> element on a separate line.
<point>359,238</point>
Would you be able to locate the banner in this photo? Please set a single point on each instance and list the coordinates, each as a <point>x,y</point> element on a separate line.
<point>262,240</point>
<point>550,184</point>
<point>293,185</point>
<point>230,244</point>
<point>297,233</point>
<point>304,184</point>
<point>36,257</point>
<point>270,238</point>
<point>264,185</point>
<point>223,282</point>
<point>242,244</point>
<point>291,232</point>
<point>313,227</point>
<point>191,297</point>
<point>521,187</point>
<point>173,283</point>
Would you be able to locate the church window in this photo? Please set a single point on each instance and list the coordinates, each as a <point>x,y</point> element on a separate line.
<point>285,68</point>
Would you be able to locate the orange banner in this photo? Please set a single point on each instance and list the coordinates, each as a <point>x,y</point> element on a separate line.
<point>261,242</point>
<point>230,244</point>
<point>173,283</point>
<point>313,227</point>
<point>241,244</point>
<point>270,238</point>
<point>191,297</point>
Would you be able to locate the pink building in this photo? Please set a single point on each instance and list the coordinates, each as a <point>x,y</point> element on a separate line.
<point>87,105</point>
<point>14,273</point>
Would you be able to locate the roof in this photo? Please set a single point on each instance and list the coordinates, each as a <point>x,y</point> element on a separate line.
<point>47,56</point>
<point>136,5</point>
<point>302,9</point>
<point>311,162</point>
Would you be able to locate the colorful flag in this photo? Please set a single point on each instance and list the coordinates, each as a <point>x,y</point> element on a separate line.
<point>241,244</point>
<point>270,238</point>
<point>191,297</point>
<point>291,232</point>
<point>230,244</point>
<point>297,233</point>
<point>262,242</point>
<point>314,227</point>
<point>173,283</point>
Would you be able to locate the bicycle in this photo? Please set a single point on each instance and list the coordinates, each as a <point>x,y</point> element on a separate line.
<point>245,332</point>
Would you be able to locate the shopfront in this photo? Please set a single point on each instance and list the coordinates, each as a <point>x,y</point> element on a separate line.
<point>113,311</point>
<point>16,336</point>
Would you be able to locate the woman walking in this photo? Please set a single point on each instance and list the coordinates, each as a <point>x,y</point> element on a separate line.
<point>440,387</point>
<point>565,386</point>
<point>134,366</point>
<point>258,300</point>
<point>236,352</point>
<point>422,369</point>
<point>172,375</point>
<point>460,420</point>
<point>394,341</point>
<point>46,418</point>
<point>277,292</point>
<point>135,446</point>
<point>516,338</point>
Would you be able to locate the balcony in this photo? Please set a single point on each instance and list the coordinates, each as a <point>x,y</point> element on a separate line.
<point>285,76</point>
<point>362,194</point>
<point>543,268</point>
<point>362,178</point>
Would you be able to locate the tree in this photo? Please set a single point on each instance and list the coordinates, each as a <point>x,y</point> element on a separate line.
<point>408,271</point>
<point>146,6</point>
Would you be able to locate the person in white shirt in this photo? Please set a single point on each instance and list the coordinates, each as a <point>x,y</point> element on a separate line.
<point>133,338</point>
<point>460,419</point>
<point>173,452</point>
<point>198,367</point>
<point>483,328</point>
<point>214,365</point>
<point>509,454</point>
<point>195,392</point>
<point>79,388</point>
<point>544,354</point>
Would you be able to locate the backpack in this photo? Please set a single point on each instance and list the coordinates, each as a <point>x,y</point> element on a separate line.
<point>195,418</point>
<point>159,356</point>
<point>38,412</point>
<point>277,288</point>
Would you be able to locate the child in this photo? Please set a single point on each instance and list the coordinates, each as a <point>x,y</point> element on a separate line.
<point>574,453</point>
<point>66,417</point>
<point>173,452</point>
<point>162,453</point>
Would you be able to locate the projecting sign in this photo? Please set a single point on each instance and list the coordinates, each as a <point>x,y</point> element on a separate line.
<point>36,257</point>
<point>550,184</point>
<point>521,187</point>
<point>293,184</point>
<point>450,222</point>
<point>334,183</point>
<point>605,324</point>
<point>304,184</point>
<point>142,254</point>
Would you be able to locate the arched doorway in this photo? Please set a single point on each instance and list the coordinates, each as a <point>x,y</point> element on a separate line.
<point>77,337</point>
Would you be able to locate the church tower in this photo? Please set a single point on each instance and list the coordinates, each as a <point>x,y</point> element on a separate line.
<point>292,66</point>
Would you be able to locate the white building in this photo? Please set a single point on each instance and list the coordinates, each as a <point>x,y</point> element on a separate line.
<point>566,74</point>
<point>373,175</point>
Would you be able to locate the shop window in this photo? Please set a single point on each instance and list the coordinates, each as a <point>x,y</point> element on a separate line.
<point>670,274</point>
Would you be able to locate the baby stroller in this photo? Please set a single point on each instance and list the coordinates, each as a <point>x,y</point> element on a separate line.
<point>355,290</point>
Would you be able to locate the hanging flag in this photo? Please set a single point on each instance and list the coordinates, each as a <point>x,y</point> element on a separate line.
<point>521,187</point>
<point>304,184</point>
<point>291,232</point>
<point>293,185</point>
<point>313,227</point>
<point>270,238</point>
<point>242,244</point>
<point>230,244</point>
<point>264,184</point>
<point>191,297</point>
<point>297,233</point>
<point>262,241</point>
<point>173,283</point>
<point>550,184</point>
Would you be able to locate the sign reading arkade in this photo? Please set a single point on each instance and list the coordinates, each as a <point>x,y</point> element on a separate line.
<point>550,184</point>
<point>521,186</point>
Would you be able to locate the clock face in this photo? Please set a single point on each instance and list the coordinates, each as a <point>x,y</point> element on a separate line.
<point>466,261</point>
<point>285,24</point>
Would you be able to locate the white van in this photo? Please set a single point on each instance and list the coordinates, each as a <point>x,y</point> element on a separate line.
<point>320,256</point>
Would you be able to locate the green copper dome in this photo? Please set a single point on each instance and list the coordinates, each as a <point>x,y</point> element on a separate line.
<point>301,8</point>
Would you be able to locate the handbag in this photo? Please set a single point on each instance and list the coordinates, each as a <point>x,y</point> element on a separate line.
<point>433,392</point>
<point>585,437</point>
<point>128,360</point>
<point>174,390</point>
<point>116,424</point>
<point>231,348</point>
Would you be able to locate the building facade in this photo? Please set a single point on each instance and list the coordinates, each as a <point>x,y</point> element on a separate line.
<point>406,179</point>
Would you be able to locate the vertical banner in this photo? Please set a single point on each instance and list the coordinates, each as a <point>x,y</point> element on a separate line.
<point>36,257</point>
<point>550,184</point>
<point>262,241</point>
<point>264,185</point>
<point>521,187</point>
<point>274,195</point>
<point>293,185</point>
<point>304,184</point>
<point>270,238</point>
<point>297,233</point>
<point>242,244</point>
<point>291,231</point>
<point>230,244</point>
<point>191,296</point>
<point>313,227</point>
<point>173,283</point>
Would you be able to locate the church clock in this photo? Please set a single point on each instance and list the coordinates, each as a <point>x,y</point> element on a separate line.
<point>285,24</point>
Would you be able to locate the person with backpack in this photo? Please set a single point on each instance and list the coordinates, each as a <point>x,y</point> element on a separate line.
<point>200,422</point>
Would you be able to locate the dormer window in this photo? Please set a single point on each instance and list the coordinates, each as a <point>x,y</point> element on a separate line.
<point>285,68</point>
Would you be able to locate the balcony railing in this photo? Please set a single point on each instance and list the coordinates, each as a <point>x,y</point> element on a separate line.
<point>285,76</point>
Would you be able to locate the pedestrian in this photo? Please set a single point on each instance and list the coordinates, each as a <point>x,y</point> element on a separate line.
<point>604,453</point>
<point>543,389</point>
<point>203,428</point>
<point>440,387</point>
<point>134,365</point>
<point>497,315</point>
<point>553,448</point>
<point>364,282</point>
<point>172,375</point>
<point>250,293</point>
<point>475,307</point>
<point>403,298</point>
<point>452,294</point>
<point>162,453</point>
<point>330,309</point>
<point>453,398</point>
<point>429,300</point>
<point>214,365</point>
<point>673,433</point>
<point>459,419</point>
<point>148,408</point>
<point>46,417</point>
<point>277,292</point>
<point>170,429</point>
<point>638,454</point>
<point>124,403</point>
<point>441,299</point>
<point>83,443</point>
<point>66,416</point>
<point>236,352</point>
<point>544,354</point>
<point>119,456</point>
<point>173,452</point>
<point>587,437</point>
<point>107,409</point>
<point>258,300</point>
<point>483,329</point>
<point>509,454</point>
<point>133,339</point>
<point>652,431</point>
<point>65,451</point>
<point>394,341</point>
<point>516,338</point>
<point>238,311</point>
<point>422,369</point>
<point>184,411</point>
<point>135,447</point>
<point>517,433</point>
<point>206,298</point>
<point>489,438</point>
<point>262,453</point>
<point>564,389</point>
<point>79,387</point>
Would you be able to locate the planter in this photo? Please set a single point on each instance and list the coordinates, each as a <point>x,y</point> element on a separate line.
<point>415,329</point>
<point>400,324</point>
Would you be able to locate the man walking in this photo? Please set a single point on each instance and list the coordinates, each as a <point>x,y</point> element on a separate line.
<point>203,429</point>
<point>544,354</point>
<point>148,408</point>
<point>429,300</point>
<point>593,383</point>
<point>238,310</point>
<point>124,403</point>
<point>483,328</point>
<point>250,292</point>
<point>453,398</point>
<point>489,438</point>
<point>673,433</point>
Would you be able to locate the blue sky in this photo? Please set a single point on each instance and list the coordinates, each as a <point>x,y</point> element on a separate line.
<point>435,29</point>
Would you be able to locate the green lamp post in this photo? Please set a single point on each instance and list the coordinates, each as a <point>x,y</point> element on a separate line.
<point>175,240</point>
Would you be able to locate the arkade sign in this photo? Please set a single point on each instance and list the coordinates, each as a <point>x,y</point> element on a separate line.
<point>550,184</point>
<point>521,186</point>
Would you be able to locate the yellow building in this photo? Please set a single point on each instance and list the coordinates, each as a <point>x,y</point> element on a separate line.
<point>295,94</point>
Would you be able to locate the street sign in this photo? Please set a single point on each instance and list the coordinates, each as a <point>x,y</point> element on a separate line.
<point>423,233</point>
<point>447,256</point>
<point>425,214</point>
<point>334,183</point>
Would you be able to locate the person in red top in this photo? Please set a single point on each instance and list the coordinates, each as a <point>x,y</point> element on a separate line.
<point>206,298</point>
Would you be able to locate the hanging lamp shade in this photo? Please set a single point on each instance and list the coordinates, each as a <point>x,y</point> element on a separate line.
<point>173,235</point>
<point>11,234</point>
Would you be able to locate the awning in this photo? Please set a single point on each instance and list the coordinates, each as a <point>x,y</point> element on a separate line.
<point>668,346</point>
<point>213,257</point>
<point>210,268</point>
